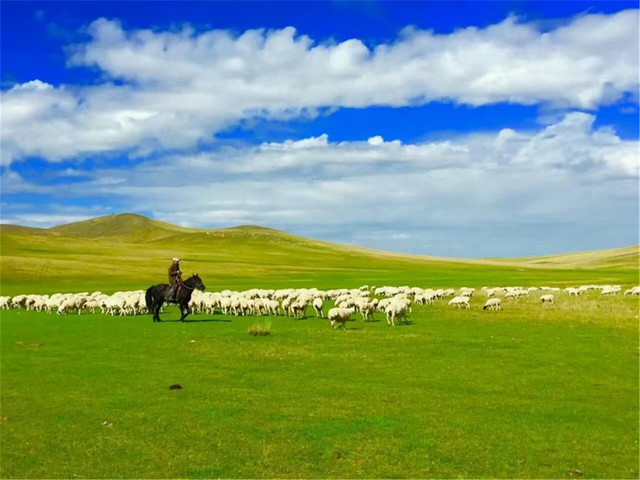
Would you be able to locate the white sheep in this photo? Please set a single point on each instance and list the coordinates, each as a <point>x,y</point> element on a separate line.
<point>460,302</point>
<point>466,292</point>
<point>317,306</point>
<point>493,304</point>
<point>366,309</point>
<point>272,306</point>
<point>339,315</point>
<point>18,301</point>
<point>5,303</point>
<point>575,291</point>
<point>548,298</point>
<point>516,292</point>
<point>299,307</point>
<point>225,305</point>
<point>383,304</point>
<point>610,290</point>
<point>286,305</point>
<point>66,305</point>
<point>397,310</point>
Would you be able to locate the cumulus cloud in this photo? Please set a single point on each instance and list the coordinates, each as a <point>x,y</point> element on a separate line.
<point>176,89</point>
<point>572,144</point>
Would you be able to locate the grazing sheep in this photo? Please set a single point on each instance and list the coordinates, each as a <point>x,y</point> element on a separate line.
<point>460,302</point>
<point>397,310</point>
<point>610,290</point>
<point>429,297</point>
<point>383,304</point>
<point>18,301</point>
<point>395,305</point>
<point>547,298</point>
<point>366,309</point>
<point>299,307</point>
<point>317,306</point>
<point>92,305</point>
<point>516,293</point>
<point>575,291</point>
<point>286,306</point>
<point>5,303</point>
<point>225,305</point>
<point>342,298</point>
<point>340,315</point>
<point>466,292</point>
<point>493,304</point>
<point>347,303</point>
<point>66,305</point>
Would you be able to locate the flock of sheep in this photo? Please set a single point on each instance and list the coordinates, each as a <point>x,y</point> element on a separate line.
<point>394,302</point>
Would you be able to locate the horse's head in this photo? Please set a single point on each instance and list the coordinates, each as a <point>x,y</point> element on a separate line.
<point>197,282</point>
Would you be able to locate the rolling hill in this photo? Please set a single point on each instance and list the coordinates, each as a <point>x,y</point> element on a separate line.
<point>625,257</point>
<point>132,251</point>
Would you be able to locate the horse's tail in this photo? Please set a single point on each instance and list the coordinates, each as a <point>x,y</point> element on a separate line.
<point>149,299</point>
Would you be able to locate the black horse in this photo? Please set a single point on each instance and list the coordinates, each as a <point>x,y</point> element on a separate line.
<point>156,296</point>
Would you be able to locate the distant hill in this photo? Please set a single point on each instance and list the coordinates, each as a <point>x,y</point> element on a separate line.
<point>610,258</point>
<point>117,225</point>
<point>133,251</point>
<point>8,228</point>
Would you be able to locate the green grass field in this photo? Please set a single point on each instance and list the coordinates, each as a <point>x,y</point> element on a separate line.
<point>527,392</point>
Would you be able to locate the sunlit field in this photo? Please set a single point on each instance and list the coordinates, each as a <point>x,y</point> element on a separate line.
<point>531,391</point>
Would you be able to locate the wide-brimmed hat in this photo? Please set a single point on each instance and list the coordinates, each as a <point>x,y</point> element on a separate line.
<point>176,259</point>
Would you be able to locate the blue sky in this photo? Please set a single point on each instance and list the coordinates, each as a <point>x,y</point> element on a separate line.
<point>467,129</point>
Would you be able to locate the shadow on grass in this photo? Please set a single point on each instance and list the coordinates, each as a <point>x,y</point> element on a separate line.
<point>406,323</point>
<point>188,320</point>
<point>217,320</point>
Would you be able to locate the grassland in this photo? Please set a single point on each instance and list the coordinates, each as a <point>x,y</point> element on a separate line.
<point>527,392</point>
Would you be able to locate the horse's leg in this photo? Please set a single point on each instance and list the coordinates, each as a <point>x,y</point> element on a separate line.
<point>185,308</point>
<point>154,309</point>
<point>157,309</point>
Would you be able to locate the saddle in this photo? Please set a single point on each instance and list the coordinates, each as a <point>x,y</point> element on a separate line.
<point>174,298</point>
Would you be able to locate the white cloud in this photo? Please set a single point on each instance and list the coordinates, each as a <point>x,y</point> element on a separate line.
<point>176,89</point>
<point>572,144</point>
<point>399,236</point>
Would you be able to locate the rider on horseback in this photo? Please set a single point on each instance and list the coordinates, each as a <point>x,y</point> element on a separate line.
<point>175,279</point>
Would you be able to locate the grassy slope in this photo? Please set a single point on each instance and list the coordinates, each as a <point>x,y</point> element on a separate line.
<point>90,256</point>
<point>610,258</point>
